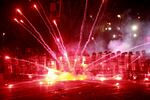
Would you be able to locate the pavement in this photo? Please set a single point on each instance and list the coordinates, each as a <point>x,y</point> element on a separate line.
<point>77,90</point>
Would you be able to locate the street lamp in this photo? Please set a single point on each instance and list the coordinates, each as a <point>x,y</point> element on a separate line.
<point>109,28</point>
<point>114,36</point>
<point>134,35</point>
<point>134,27</point>
<point>119,16</point>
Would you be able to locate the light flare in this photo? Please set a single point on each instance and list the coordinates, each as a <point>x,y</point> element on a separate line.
<point>35,6</point>
<point>10,86</point>
<point>19,11</point>
<point>15,19</point>
<point>21,21</point>
<point>54,21</point>
<point>118,78</point>
<point>7,57</point>
<point>92,28</point>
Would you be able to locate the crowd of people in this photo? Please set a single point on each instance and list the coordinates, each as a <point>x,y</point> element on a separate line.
<point>129,65</point>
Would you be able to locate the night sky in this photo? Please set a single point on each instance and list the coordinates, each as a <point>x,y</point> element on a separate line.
<point>71,17</point>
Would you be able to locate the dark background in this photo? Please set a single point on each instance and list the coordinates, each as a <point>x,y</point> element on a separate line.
<point>69,22</point>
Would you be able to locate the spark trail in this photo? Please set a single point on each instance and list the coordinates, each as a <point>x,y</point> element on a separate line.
<point>82,26</point>
<point>91,31</point>
<point>26,28</point>
<point>81,31</point>
<point>60,47</point>
<point>64,48</point>
<point>49,49</point>
<point>59,43</point>
<point>133,61</point>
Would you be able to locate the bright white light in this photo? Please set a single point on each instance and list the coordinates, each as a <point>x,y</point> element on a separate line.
<point>21,21</point>
<point>119,16</point>
<point>60,58</point>
<point>106,29</point>
<point>134,77</point>
<point>114,35</point>
<point>134,35</point>
<point>40,83</point>
<point>109,28</point>
<point>117,84</point>
<point>30,76</point>
<point>52,63</point>
<point>35,6</point>
<point>65,54</point>
<point>10,86</point>
<point>134,27</point>
<point>92,38</point>
<point>102,78</point>
<point>4,34</point>
<point>7,57</point>
<point>54,21</point>
<point>75,60</point>
<point>109,23</point>
<point>19,11</point>
<point>118,78</point>
<point>146,79</point>
<point>15,19</point>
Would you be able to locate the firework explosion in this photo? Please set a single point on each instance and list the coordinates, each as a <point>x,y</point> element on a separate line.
<point>62,73</point>
<point>67,71</point>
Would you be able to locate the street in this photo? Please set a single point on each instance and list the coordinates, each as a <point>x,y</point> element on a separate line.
<point>77,90</point>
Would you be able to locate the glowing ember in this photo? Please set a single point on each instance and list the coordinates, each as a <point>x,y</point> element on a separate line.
<point>117,84</point>
<point>30,76</point>
<point>54,76</point>
<point>10,86</point>
<point>146,79</point>
<point>15,19</point>
<point>118,78</point>
<point>102,78</point>
<point>7,57</point>
<point>19,11</point>
<point>40,82</point>
<point>54,21</point>
<point>35,6</point>
<point>21,21</point>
